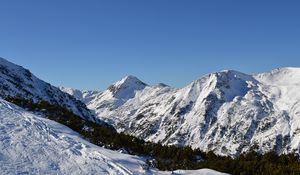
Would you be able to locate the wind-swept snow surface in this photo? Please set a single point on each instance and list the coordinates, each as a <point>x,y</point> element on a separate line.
<point>30,144</point>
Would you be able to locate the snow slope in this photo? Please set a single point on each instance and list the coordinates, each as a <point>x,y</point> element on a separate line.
<point>30,144</point>
<point>227,112</point>
<point>17,81</point>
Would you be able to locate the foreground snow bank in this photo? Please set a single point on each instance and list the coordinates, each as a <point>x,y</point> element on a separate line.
<point>30,144</point>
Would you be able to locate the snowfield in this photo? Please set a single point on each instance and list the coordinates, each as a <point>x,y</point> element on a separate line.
<point>227,112</point>
<point>31,144</point>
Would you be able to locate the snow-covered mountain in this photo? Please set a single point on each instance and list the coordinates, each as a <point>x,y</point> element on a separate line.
<point>31,144</point>
<point>84,96</point>
<point>16,81</point>
<point>116,95</point>
<point>227,112</point>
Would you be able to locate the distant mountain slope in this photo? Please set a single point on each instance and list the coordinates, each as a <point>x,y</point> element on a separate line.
<point>84,96</point>
<point>31,144</point>
<point>228,112</point>
<point>18,81</point>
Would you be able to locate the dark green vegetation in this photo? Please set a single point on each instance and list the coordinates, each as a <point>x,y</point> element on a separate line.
<point>166,157</point>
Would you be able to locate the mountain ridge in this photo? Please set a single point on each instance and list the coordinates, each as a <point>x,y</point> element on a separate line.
<point>16,81</point>
<point>227,112</point>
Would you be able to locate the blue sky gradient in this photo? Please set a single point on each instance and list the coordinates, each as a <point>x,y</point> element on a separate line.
<point>90,44</point>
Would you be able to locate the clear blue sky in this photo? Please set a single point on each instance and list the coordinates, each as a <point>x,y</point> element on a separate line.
<point>89,44</point>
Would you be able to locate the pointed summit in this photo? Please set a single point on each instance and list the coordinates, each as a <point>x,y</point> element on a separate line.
<point>130,80</point>
<point>126,87</point>
<point>233,74</point>
<point>118,94</point>
<point>162,85</point>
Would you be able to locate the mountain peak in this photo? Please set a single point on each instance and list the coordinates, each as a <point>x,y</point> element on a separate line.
<point>231,71</point>
<point>129,80</point>
<point>131,77</point>
<point>126,87</point>
<point>281,76</point>
<point>236,74</point>
<point>162,85</point>
<point>222,78</point>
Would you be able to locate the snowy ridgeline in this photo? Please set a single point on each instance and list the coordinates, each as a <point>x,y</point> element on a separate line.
<point>227,112</point>
<point>30,144</point>
<point>17,81</point>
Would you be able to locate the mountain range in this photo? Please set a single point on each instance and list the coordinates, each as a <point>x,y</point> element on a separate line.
<point>31,143</point>
<point>227,112</point>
